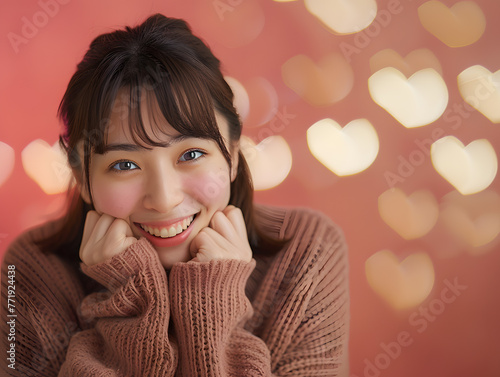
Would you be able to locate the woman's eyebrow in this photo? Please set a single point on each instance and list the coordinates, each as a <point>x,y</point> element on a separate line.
<point>124,147</point>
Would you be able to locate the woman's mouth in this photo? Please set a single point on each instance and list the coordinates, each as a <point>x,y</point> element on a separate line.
<point>168,234</point>
<point>169,231</point>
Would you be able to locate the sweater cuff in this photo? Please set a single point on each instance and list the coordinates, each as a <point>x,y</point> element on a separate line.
<point>115,272</point>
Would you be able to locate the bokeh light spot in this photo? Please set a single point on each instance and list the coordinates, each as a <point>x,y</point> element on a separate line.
<point>320,84</point>
<point>343,16</point>
<point>469,169</point>
<point>345,151</point>
<point>415,61</point>
<point>410,216</point>
<point>7,156</point>
<point>269,161</point>
<point>481,89</point>
<point>461,25</point>
<point>403,285</point>
<point>413,102</point>
<point>47,166</point>
<point>474,220</point>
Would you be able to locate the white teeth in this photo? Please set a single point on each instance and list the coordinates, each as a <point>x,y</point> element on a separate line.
<point>170,232</point>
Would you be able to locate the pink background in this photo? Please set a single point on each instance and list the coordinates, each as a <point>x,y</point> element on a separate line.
<point>253,39</point>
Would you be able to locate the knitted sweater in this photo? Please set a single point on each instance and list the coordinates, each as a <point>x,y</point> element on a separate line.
<point>280,315</point>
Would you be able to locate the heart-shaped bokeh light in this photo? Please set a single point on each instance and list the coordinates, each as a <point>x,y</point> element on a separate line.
<point>469,169</point>
<point>480,88</point>
<point>269,161</point>
<point>320,84</point>
<point>403,285</point>
<point>461,25</point>
<point>410,216</point>
<point>343,16</point>
<point>345,151</point>
<point>414,102</point>
<point>474,220</point>
<point>47,166</point>
<point>415,61</point>
<point>7,156</point>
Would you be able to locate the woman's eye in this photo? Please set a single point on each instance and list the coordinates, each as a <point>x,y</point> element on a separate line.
<point>191,155</point>
<point>124,166</point>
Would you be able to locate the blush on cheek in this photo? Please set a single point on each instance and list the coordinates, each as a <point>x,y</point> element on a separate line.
<point>116,200</point>
<point>212,188</point>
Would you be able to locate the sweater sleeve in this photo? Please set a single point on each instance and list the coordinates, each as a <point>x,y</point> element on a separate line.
<point>130,332</point>
<point>40,297</point>
<point>209,308</point>
<point>301,309</point>
<point>302,321</point>
<point>312,310</point>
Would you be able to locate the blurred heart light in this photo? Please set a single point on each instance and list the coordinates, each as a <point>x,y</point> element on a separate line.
<point>320,84</point>
<point>481,89</point>
<point>415,61</point>
<point>474,220</point>
<point>269,161</point>
<point>410,216</point>
<point>403,285</point>
<point>469,169</point>
<point>7,156</point>
<point>343,16</point>
<point>461,25</point>
<point>414,102</point>
<point>345,151</point>
<point>47,166</point>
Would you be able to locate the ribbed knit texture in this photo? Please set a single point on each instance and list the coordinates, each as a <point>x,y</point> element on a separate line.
<point>282,315</point>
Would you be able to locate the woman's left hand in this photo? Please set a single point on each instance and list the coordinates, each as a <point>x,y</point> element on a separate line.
<point>225,238</point>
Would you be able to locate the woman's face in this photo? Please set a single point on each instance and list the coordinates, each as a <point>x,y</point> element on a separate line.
<point>166,194</point>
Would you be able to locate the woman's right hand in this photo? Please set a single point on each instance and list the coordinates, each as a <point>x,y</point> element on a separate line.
<point>104,237</point>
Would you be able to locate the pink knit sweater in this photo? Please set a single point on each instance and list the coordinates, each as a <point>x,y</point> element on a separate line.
<point>282,315</point>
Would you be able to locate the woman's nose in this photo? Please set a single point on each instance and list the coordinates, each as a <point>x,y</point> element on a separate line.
<point>164,191</point>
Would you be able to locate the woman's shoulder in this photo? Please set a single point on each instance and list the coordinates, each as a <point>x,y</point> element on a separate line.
<point>42,276</point>
<point>26,243</point>
<point>315,249</point>
<point>297,222</point>
<point>34,262</point>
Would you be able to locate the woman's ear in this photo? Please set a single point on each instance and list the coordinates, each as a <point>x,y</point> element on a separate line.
<point>82,186</point>
<point>79,175</point>
<point>84,193</point>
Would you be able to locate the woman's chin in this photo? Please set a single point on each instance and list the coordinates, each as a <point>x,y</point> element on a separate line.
<point>170,255</point>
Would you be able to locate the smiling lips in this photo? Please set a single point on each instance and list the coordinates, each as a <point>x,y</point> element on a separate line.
<point>170,231</point>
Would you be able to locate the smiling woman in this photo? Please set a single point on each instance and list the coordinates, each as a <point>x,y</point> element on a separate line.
<point>163,265</point>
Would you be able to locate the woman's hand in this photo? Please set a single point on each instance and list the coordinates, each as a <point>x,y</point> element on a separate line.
<point>104,237</point>
<point>225,238</point>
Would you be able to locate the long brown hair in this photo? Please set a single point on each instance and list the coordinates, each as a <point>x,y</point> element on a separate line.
<point>163,63</point>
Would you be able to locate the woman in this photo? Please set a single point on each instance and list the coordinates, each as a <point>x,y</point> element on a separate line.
<point>163,266</point>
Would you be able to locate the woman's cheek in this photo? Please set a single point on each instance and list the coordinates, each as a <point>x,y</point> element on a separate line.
<point>115,199</point>
<point>211,188</point>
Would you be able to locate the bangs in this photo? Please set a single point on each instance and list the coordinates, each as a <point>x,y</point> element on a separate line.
<point>171,91</point>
